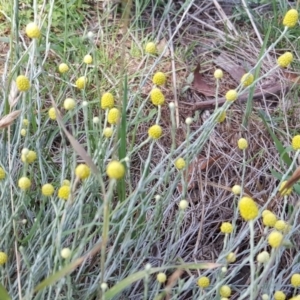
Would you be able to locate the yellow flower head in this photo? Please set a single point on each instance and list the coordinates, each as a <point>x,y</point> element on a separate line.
<point>52,113</point>
<point>231,257</point>
<point>150,48</point>
<point>113,116</point>
<point>23,132</point>
<point>265,212</point>
<point>279,295</point>
<point>65,253</point>
<point>285,59</point>
<point>69,104</point>
<point>247,79</point>
<point>2,173</point>
<point>203,282</point>
<point>81,82</point>
<point>3,258</point>
<point>231,95</point>
<point>159,78</point>
<point>66,182</point>
<point>291,18</point>
<point>107,101</point>
<point>32,31</point>
<point>22,83</point>
<point>25,122</point>
<point>157,97</point>
<point>218,74</point>
<point>64,192</point>
<point>179,163</point>
<point>295,280</point>
<point>263,257</point>
<point>82,171</point>
<point>242,144</point>
<point>24,183</point>
<point>248,208</point>
<point>226,227</point>
<point>155,132</point>
<point>63,68</point>
<point>115,170</point>
<point>296,142</point>
<point>47,189</point>
<point>87,59</point>
<point>221,118</point>
<point>236,189</point>
<point>161,277</point>
<point>29,157</point>
<point>108,132</point>
<point>269,219</point>
<point>281,225</point>
<point>183,204</point>
<point>283,191</point>
<point>275,238</point>
<point>225,291</point>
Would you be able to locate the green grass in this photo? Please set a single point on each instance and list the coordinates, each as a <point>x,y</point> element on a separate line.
<point>122,233</point>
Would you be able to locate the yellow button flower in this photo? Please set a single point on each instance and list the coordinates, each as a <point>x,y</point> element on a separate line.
<point>291,18</point>
<point>242,144</point>
<point>161,277</point>
<point>281,225</point>
<point>24,183</point>
<point>285,59</point>
<point>265,212</point>
<point>22,83</point>
<point>69,104</point>
<point>225,291</point>
<point>183,204</point>
<point>88,59</point>
<point>295,280</point>
<point>82,171</point>
<point>247,79</point>
<point>179,163</point>
<point>274,239</point>
<point>269,219</point>
<point>47,189</point>
<point>248,208</point>
<point>81,82</point>
<point>25,122</point>
<point>222,117</point>
<point>296,142</point>
<point>283,191</point>
<point>157,97</point>
<point>32,30</point>
<point>29,157</point>
<point>218,74</point>
<point>52,113</point>
<point>155,132</point>
<point>113,116</point>
<point>115,170</point>
<point>236,189</point>
<point>159,78</point>
<point>150,48</point>
<point>279,295</point>
<point>226,227</point>
<point>3,258</point>
<point>263,257</point>
<point>231,95</point>
<point>23,132</point>
<point>107,101</point>
<point>2,173</point>
<point>231,257</point>
<point>63,68</point>
<point>203,282</point>
<point>108,132</point>
<point>64,192</point>
<point>65,253</point>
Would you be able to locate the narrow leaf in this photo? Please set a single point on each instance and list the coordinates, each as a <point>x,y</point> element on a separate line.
<point>3,293</point>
